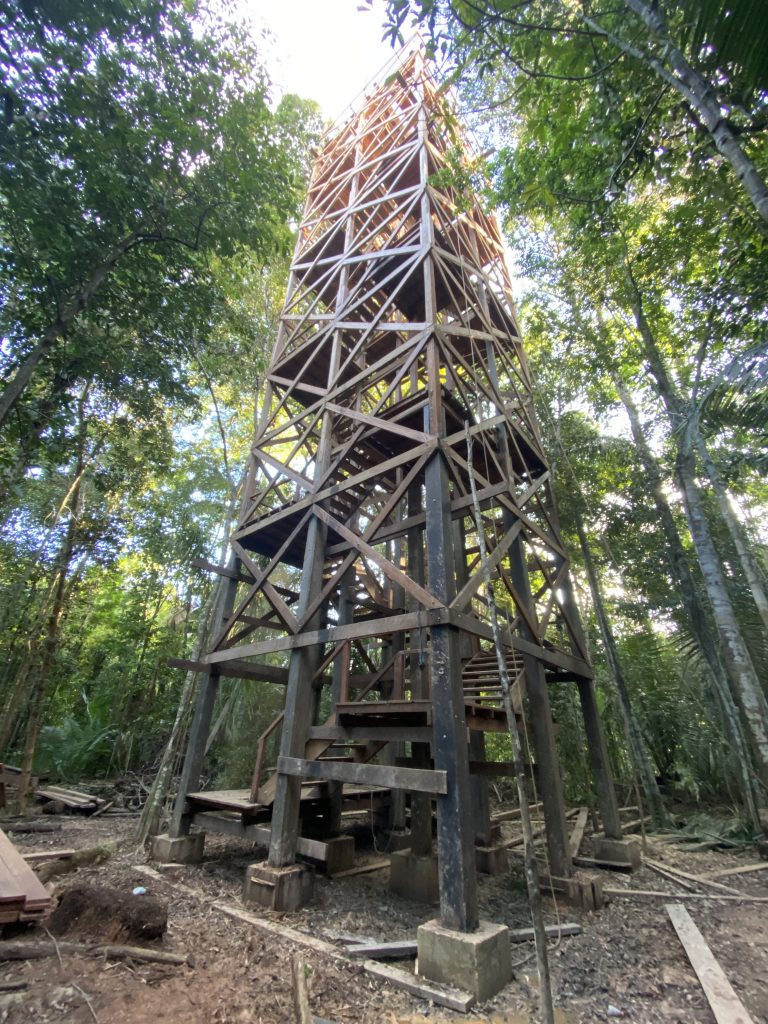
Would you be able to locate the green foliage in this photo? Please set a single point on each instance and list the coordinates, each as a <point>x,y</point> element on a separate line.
<point>76,748</point>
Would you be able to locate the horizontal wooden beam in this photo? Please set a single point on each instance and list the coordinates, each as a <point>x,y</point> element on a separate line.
<point>418,780</point>
<point>384,626</point>
<point>236,670</point>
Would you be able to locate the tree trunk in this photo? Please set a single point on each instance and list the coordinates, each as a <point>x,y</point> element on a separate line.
<point>149,821</point>
<point>18,383</point>
<point>744,684</point>
<point>698,617</point>
<point>637,745</point>
<point>744,681</point>
<point>209,614</point>
<point>700,95</point>
<point>750,568</point>
<point>42,670</point>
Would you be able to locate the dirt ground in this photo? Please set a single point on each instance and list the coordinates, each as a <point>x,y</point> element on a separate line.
<point>627,962</point>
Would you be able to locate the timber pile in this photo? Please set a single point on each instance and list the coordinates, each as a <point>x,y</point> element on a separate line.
<point>23,897</point>
<point>71,799</point>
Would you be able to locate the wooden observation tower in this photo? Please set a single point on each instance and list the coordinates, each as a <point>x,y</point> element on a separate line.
<point>355,578</point>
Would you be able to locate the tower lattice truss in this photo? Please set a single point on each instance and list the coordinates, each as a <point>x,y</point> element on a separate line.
<point>357,579</point>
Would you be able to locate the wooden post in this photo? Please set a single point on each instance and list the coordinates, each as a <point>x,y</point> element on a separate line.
<point>542,733</point>
<point>455,831</point>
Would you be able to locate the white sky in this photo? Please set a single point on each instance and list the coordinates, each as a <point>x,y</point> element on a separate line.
<point>324,50</point>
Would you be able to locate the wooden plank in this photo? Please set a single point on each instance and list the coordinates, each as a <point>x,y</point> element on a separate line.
<point>43,855</point>
<point>452,998</point>
<point>725,1004</point>
<point>554,931</point>
<point>685,876</point>
<point>281,931</point>
<point>19,885</point>
<point>512,814</point>
<point>364,869</point>
<point>405,949</point>
<point>743,870</point>
<point>577,833</point>
<point>418,780</point>
<point>657,893</point>
<point>383,626</point>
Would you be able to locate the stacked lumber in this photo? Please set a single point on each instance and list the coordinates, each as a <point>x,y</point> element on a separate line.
<point>71,798</point>
<point>23,897</point>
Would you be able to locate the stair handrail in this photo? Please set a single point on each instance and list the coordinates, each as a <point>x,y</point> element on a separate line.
<point>260,748</point>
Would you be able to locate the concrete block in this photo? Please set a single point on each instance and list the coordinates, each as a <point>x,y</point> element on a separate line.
<point>624,852</point>
<point>177,849</point>
<point>414,877</point>
<point>491,860</point>
<point>478,962</point>
<point>288,888</point>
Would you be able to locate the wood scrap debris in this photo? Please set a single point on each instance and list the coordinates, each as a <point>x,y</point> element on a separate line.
<point>725,1004</point>
<point>43,855</point>
<point>452,998</point>
<point>71,799</point>
<point>300,996</point>
<point>23,897</point>
<point>577,833</point>
<point>726,897</point>
<point>24,950</point>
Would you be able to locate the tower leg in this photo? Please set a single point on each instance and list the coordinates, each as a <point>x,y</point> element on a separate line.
<point>598,754</point>
<point>455,827</point>
<point>543,733</point>
<point>193,759</point>
<point>298,711</point>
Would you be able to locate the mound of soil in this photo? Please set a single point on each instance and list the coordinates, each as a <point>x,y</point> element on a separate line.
<point>108,915</point>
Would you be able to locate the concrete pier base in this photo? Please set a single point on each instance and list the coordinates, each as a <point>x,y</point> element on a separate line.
<point>177,849</point>
<point>414,877</point>
<point>478,962</point>
<point>288,888</point>
<point>621,853</point>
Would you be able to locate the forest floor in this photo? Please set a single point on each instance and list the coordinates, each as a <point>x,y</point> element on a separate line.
<point>627,962</point>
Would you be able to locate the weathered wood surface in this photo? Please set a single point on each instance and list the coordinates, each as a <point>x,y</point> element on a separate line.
<point>24,950</point>
<point>452,998</point>
<point>725,1004</point>
<point>417,780</point>
<point>404,949</point>
<point>22,894</point>
<point>554,931</point>
<point>300,996</point>
<point>577,832</point>
<point>364,869</point>
<point>743,869</point>
<point>658,893</point>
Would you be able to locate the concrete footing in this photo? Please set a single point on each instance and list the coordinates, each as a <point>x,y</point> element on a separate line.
<point>414,877</point>
<point>177,849</point>
<point>288,888</point>
<point>478,962</point>
<point>491,860</point>
<point>621,853</point>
